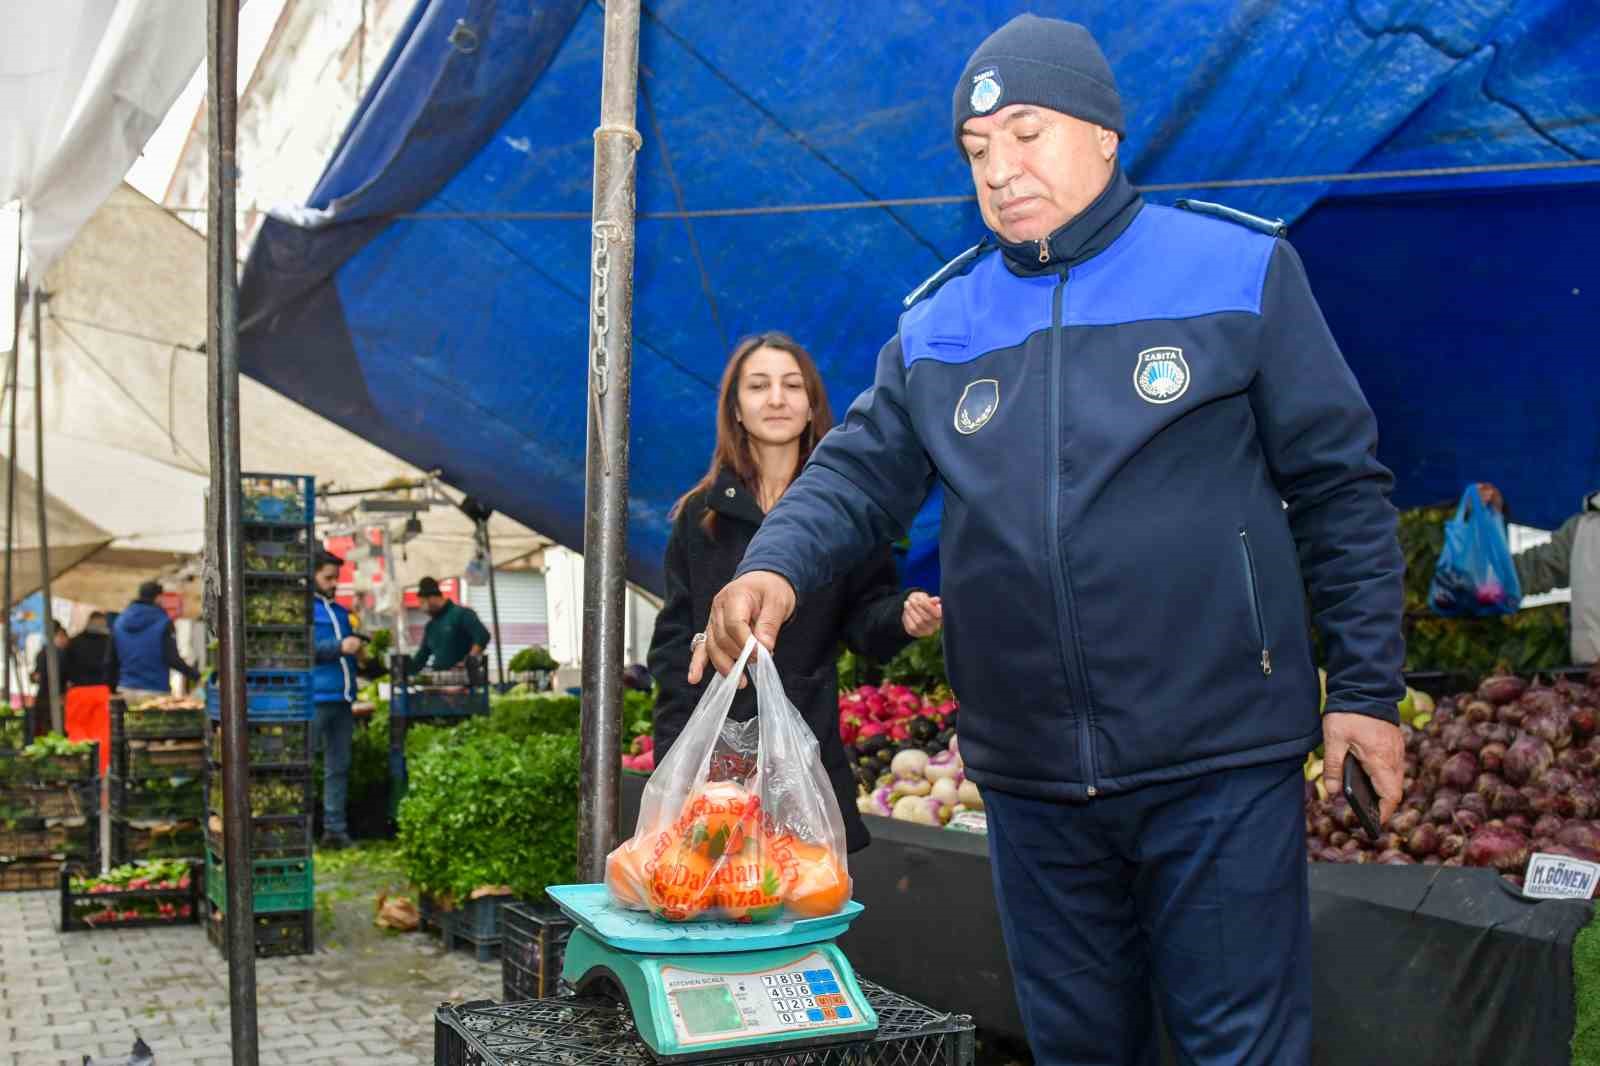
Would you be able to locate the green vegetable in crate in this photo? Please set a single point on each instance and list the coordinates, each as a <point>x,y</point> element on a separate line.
<point>529,660</point>
<point>56,744</point>
<point>12,728</point>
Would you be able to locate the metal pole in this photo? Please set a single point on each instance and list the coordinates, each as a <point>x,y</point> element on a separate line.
<point>494,601</point>
<point>224,550</point>
<point>11,453</point>
<point>605,528</point>
<point>52,660</point>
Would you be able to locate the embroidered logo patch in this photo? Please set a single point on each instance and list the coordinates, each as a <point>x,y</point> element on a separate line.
<point>1160,375</point>
<point>986,90</point>
<point>977,405</point>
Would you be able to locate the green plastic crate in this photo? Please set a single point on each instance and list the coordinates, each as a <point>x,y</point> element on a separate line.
<point>280,884</point>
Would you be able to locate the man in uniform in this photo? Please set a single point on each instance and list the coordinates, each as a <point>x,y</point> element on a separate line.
<point>1151,449</point>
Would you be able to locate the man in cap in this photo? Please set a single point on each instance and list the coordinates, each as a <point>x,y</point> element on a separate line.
<point>454,633</point>
<point>1151,449</point>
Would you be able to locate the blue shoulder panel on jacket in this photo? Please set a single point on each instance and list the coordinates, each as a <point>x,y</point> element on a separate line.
<point>1171,264</point>
<point>1168,264</point>
<point>984,311</point>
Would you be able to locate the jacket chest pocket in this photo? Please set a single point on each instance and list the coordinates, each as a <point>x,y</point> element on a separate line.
<point>1252,588</point>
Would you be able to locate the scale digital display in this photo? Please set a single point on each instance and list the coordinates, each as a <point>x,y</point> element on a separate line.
<point>708,1010</point>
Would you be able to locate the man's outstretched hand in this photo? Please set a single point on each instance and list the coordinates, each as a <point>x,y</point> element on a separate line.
<point>758,602</point>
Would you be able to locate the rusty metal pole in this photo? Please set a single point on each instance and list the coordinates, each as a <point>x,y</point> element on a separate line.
<point>610,357</point>
<point>52,654</point>
<point>224,553</point>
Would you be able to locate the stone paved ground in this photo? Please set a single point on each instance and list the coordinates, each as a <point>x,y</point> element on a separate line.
<point>366,996</point>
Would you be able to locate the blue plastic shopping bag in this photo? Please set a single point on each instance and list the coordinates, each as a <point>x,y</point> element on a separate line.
<point>1475,577</point>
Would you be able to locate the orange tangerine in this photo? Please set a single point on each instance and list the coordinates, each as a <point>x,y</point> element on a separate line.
<point>680,885</point>
<point>748,886</point>
<point>820,885</point>
<point>721,816</point>
<point>626,871</point>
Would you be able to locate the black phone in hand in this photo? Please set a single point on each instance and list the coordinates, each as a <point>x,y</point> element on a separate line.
<point>1362,796</point>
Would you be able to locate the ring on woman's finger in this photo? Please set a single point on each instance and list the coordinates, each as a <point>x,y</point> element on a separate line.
<point>695,641</point>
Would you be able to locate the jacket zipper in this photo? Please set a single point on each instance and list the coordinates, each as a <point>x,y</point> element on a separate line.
<point>1255,602</point>
<point>1057,564</point>
<point>1044,252</point>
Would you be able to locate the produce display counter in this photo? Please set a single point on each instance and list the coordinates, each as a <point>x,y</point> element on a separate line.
<point>1431,966</point>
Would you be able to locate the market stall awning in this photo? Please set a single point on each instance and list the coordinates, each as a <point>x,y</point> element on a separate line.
<point>798,174</point>
<point>73,538</point>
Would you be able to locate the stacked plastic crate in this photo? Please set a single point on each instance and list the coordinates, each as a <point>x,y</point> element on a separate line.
<point>279,563</point>
<point>49,811</point>
<point>157,762</point>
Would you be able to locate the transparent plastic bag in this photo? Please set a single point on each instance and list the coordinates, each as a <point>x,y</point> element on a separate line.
<point>739,822</point>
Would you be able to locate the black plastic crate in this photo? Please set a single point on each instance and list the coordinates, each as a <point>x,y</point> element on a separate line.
<point>593,1031</point>
<point>279,649</point>
<point>155,722</point>
<point>273,792</point>
<point>132,841</point>
<point>272,744</point>
<point>270,838</point>
<point>157,798</point>
<point>533,945</point>
<point>35,806</point>
<point>284,553</point>
<point>164,757</point>
<point>276,935</point>
<point>18,768</point>
<point>60,838</point>
<point>29,875</point>
<point>129,909</point>
<point>277,500</point>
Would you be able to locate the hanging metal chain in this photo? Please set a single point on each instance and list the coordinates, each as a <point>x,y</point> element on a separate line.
<point>599,325</point>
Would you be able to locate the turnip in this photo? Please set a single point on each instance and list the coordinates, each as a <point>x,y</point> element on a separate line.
<point>1424,840</point>
<point>1502,849</point>
<point>923,810</point>
<point>970,796</point>
<point>1530,756</point>
<point>1459,771</point>
<point>910,763</point>
<point>1404,822</point>
<point>945,766</point>
<point>1548,825</point>
<point>1501,688</point>
<point>946,791</point>
<point>912,786</point>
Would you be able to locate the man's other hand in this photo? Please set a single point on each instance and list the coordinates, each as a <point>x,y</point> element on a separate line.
<point>1376,744</point>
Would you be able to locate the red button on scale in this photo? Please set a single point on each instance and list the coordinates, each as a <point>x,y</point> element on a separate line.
<point>831,1014</point>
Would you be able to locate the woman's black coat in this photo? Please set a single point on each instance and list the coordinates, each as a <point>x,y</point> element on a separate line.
<point>863,610</point>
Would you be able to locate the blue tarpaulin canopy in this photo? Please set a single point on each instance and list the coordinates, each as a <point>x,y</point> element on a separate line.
<point>798,173</point>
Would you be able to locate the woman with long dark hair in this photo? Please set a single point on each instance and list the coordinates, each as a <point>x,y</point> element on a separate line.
<point>771,412</point>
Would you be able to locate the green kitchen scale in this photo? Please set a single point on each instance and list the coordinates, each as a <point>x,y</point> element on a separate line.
<point>706,989</point>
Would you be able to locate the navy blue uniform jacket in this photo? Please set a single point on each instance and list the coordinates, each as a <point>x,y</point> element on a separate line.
<point>1151,452</point>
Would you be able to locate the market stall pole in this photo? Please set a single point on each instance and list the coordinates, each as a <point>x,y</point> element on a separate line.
<point>616,147</point>
<point>52,658</point>
<point>225,557</point>
<point>11,456</point>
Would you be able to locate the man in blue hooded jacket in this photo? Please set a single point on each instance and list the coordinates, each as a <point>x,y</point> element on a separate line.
<point>334,684</point>
<point>1151,451</point>
<point>144,649</point>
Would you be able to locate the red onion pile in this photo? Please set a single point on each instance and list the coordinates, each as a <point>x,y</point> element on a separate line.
<point>1494,776</point>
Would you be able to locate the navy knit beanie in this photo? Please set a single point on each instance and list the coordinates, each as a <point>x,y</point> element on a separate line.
<point>1048,62</point>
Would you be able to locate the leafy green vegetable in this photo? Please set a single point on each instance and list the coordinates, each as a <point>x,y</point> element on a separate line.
<point>56,744</point>
<point>482,811</point>
<point>528,660</point>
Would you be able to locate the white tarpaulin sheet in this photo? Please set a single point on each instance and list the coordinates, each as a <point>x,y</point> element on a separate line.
<point>125,403</point>
<point>83,84</point>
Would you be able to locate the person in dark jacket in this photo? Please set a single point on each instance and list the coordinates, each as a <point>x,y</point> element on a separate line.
<point>771,411</point>
<point>144,649</point>
<point>1153,456</point>
<point>42,714</point>
<point>88,689</point>
<point>334,690</point>
<point>454,633</point>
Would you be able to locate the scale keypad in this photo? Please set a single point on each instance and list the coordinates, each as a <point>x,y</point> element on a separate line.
<point>807,996</point>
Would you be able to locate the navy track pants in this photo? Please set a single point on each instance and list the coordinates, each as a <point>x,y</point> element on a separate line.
<point>1191,894</point>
